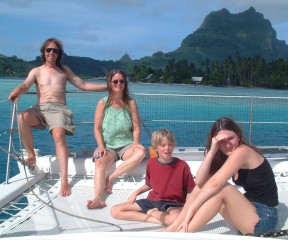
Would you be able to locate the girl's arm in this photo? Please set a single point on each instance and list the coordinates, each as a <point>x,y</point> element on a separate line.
<point>236,160</point>
<point>203,174</point>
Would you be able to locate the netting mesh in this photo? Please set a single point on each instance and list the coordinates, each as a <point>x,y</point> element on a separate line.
<point>263,120</point>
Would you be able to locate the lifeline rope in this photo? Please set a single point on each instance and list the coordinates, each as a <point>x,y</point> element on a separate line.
<point>47,204</point>
<point>145,127</point>
<point>8,131</point>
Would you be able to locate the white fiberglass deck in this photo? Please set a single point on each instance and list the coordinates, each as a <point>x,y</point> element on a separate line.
<point>69,215</point>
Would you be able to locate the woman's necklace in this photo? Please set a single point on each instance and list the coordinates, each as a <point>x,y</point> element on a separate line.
<point>117,110</point>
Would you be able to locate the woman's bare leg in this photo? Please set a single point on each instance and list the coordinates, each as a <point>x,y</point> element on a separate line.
<point>101,165</point>
<point>131,159</point>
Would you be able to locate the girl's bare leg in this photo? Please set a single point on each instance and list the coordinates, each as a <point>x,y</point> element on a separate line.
<point>234,207</point>
<point>176,223</point>
<point>166,218</point>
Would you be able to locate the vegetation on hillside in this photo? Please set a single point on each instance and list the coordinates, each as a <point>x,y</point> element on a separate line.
<point>233,71</point>
<point>14,67</point>
<point>237,71</point>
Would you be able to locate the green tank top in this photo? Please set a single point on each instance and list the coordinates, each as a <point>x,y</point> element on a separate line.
<point>117,127</point>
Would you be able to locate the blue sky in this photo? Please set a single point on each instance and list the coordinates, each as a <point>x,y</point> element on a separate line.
<point>107,29</point>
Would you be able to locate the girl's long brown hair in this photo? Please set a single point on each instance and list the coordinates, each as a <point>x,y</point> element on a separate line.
<point>224,123</point>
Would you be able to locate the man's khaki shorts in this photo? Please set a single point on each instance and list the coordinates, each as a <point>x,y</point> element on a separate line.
<point>54,115</point>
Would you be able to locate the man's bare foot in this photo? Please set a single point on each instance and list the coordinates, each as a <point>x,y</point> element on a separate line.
<point>65,189</point>
<point>95,203</point>
<point>109,184</point>
<point>30,160</point>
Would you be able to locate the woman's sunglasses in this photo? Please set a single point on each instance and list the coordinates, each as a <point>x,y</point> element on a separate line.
<point>54,50</point>
<point>118,81</point>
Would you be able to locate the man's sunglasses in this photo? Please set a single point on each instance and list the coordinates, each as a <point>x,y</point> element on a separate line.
<point>118,81</point>
<point>54,50</point>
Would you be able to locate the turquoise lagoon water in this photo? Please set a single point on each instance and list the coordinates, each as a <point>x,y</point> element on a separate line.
<point>159,108</point>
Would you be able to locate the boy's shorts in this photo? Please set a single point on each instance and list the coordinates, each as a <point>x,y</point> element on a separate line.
<point>146,205</point>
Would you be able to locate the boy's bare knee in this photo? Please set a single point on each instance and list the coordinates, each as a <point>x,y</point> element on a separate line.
<point>115,212</point>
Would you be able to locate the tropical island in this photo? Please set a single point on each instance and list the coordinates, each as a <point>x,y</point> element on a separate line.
<point>226,50</point>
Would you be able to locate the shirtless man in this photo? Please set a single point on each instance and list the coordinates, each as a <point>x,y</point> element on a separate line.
<point>51,111</point>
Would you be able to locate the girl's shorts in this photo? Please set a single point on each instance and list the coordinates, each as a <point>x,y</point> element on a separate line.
<point>268,218</point>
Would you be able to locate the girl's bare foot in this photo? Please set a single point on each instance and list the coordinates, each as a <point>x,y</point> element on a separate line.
<point>95,203</point>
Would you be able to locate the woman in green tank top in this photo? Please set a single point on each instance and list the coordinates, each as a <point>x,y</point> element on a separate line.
<point>117,132</point>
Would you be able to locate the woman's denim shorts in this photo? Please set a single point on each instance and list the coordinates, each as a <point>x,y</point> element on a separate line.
<point>268,218</point>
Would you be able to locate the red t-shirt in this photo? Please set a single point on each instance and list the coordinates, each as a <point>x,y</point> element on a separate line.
<point>169,182</point>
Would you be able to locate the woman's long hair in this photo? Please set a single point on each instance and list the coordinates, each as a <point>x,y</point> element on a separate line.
<point>224,124</point>
<point>126,97</point>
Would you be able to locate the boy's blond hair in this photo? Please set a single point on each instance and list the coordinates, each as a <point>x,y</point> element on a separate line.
<point>157,137</point>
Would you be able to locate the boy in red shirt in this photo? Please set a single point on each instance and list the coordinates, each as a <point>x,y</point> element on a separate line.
<point>168,178</point>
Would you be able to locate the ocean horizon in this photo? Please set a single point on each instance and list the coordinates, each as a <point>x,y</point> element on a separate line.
<point>83,106</point>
